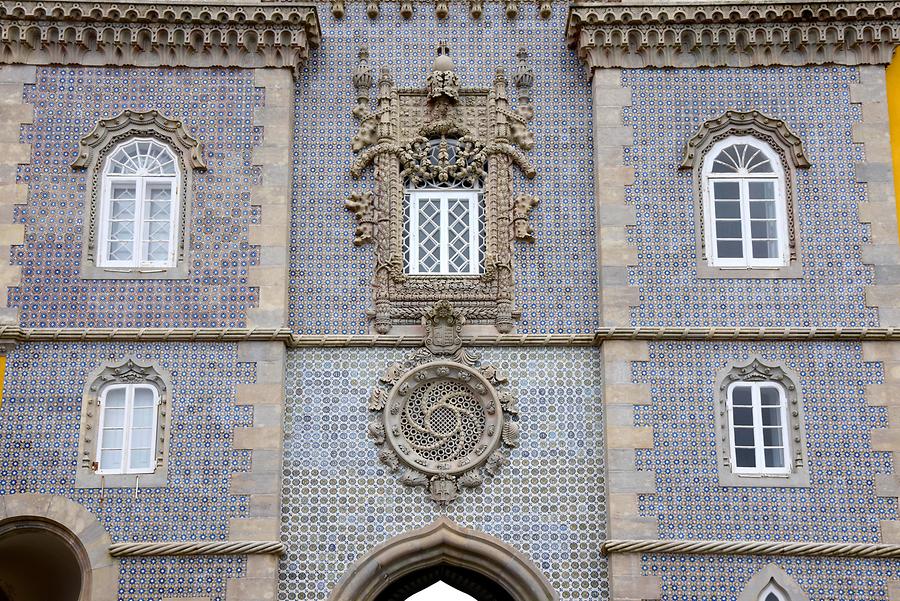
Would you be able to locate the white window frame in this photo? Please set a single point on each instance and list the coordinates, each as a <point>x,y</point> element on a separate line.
<point>773,589</point>
<point>758,441</point>
<point>473,198</point>
<point>743,180</point>
<point>141,183</point>
<point>127,429</point>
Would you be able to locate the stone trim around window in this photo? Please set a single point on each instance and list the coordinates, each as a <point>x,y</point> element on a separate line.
<point>768,575</point>
<point>128,371</point>
<point>787,146</point>
<point>756,369</point>
<point>93,151</point>
<point>442,136</point>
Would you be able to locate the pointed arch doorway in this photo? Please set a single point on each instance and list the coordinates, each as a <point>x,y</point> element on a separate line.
<point>472,562</point>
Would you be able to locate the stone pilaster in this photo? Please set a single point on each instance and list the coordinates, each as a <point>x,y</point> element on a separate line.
<point>624,481</point>
<point>613,216</point>
<point>879,210</point>
<point>273,197</point>
<point>14,113</point>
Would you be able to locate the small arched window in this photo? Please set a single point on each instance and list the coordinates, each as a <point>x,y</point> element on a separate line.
<point>745,205</point>
<point>140,188</point>
<point>128,429</point>
<point>773,592</point>
<point>760,435</point>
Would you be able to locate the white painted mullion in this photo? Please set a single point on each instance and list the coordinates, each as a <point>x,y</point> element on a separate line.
<point>758,443</point>
<point>746,236</point>
<point>474,249</point>
<point>444,234</point>
<point>140,225</point>
<point>126,436</point>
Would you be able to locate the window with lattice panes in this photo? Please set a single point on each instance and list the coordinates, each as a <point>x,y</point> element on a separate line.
<point>128,429</point>
<point>745,208</point>
<point>139,206</point>
<point>444,232</point>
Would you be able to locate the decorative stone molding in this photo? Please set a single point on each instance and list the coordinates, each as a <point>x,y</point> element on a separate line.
<point>442,420</point>
<point>443,542</point>
<point>771,577</point>
<point>178,548</point>
<point>615,253</point>
<point>127,371</point>
<point>92,155</point>
<point>14,113</point>
<point>746,547</point>
<point>442,136</point>
<point>879,210</point>
<point>248,35</point>
<point>736,35</point>
<point>271,274</point>
<point>83,531</point>
<point>441,8</point>
<point>262,483</point>
<point>624,482</point>
<point>756,369</point>
<point>786,145</point>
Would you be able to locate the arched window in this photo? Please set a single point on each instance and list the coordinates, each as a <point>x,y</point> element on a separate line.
<point>745,207</point>
<point>139,210</point>
<point>128,429</point>
<point>773,592</point>
<point>444,228</point>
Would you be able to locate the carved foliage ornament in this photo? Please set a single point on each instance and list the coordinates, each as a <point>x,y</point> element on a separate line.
<point>442,136</point>
<point>441,8</point>
<point>439,419</point>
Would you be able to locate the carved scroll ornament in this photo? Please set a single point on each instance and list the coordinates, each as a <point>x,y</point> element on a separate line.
<point>442,136</point>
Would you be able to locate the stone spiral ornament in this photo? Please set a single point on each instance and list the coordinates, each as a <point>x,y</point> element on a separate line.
<point>442,422</point>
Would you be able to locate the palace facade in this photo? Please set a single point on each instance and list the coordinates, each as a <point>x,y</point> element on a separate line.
<point>332,301</point>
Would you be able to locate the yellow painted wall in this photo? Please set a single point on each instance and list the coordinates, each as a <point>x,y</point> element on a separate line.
<point>893,98</point>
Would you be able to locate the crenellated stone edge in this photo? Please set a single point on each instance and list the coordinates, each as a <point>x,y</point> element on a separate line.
<point>607,35</point>
<point>624,482</point>
<point>247,35</point>
<point>14,113</point>
<point>262,483</point>
<point>270,276</point>
<point>611,180</point>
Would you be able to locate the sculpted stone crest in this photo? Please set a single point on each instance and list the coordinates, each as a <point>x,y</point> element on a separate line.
<point>441,419</point>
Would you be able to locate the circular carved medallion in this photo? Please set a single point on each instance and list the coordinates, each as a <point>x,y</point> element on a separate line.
<point>443,418</point>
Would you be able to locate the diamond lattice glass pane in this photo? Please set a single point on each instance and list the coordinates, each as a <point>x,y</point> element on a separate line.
<point>429,235</point>
<point>121,231</point>
<point>157,251</point>
<point>458,244</point>
<point>120,251</point>
<point>158,231</point>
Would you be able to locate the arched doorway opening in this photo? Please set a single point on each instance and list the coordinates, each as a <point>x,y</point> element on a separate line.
<point>470,561</point>
<point>39,561</point>
<point>459,584</point>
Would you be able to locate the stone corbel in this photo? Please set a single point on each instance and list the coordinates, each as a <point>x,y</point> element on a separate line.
<point>361,205</point>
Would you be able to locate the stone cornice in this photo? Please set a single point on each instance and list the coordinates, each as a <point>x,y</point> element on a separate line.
<point>733,35</point>
<point>13,334</point>
<point>249,35</point>
<point>724,547</point>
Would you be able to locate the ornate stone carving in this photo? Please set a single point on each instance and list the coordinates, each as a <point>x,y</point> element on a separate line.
<point>91,154</point>
<point>361,206</point>
<point>442,135</point>
<point>441,420</point>
<point>159,34</point>
<point>441,8</point>
<point>521,227</point>
<point>735,35</point>
<point>740,123</point>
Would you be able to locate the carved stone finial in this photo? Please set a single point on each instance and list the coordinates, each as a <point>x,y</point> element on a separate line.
<point>372,9</point>
<point>337,9</point>
<point>523,78</point>
<point>443,82</point>
<point>406,8</point>
<point>545,9</point>
<point>512,9</point>
<point>443,328</point>
<point>441,9</point>
<point>362,81</point>
<point>476,8</point>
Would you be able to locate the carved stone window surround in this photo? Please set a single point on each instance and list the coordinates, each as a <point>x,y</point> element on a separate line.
<point>92,155</point>
<point>128,371</point>
<point>757,369</point>
<point>484,133</point>
<point>789,149</point>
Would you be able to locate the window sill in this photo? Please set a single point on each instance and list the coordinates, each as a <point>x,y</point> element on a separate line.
<point>705,271</point>
<point>90,479</point>
<point>798,479</point>
<point>92,272</point>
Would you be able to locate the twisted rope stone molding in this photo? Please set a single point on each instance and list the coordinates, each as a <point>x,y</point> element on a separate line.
<point>12,334</point>
<point>869,550</point>
<point>736,35</point>
<point>249,35</point>
<point>148,549</point>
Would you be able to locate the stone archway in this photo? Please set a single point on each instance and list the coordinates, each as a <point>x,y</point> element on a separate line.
<point>75,542</point>
<point>443,543</point>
